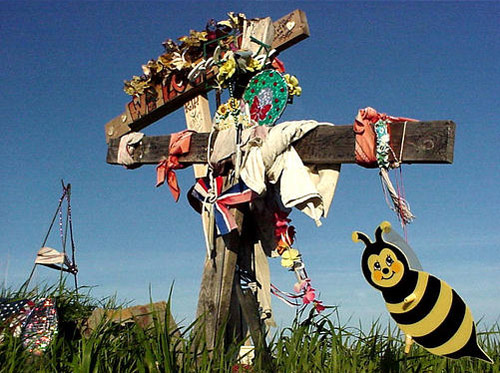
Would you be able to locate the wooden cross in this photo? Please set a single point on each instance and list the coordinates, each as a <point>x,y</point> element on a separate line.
<point>221,298</point>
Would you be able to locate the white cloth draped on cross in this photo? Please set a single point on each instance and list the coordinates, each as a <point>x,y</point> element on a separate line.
<point>272,158</point>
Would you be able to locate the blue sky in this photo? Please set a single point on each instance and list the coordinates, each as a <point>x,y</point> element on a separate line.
<point>62,71</point>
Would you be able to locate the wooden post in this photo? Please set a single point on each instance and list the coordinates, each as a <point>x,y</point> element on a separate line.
<point>230,303</point>
<point>199,119</point>
<point>217,285</point>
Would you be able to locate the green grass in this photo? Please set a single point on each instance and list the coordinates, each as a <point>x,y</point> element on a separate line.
<point>312,343</point>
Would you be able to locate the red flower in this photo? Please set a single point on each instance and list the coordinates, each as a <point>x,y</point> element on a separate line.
<point>309,294</point>
<point>319,306</point>
<point>280,228</point>
<point>281,225</point>
<point>278,65</point>
<point>244,368</point>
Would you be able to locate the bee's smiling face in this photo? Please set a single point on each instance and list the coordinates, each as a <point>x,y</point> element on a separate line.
<point>386,269</point>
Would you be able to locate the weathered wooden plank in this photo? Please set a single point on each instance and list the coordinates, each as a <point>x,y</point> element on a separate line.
<point>140,112</point>
<point>216,288</point>
<point>145,110</point>
<point>199,119</point>
<point>250,310</point>
<point>262,30</point>
<point>290,30</point>
<point>425,142</point>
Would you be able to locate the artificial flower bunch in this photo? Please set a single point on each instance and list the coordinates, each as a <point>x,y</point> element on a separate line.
<point>234,62</point>
<point>216,49</point>
<point>291,259</point>
<point>231,113</point>
<point>308,294</point>
<point>180,57</point>
<point>293,85</point>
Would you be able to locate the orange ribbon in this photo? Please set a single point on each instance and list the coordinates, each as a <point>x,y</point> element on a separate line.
<point>180,143</point>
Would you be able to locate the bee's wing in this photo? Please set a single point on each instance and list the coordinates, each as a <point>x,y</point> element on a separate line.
<point>399,241</point>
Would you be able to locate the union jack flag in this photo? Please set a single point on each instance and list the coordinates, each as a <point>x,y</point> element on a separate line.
<point>222,199</point>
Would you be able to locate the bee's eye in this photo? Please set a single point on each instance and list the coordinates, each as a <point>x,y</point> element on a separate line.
<point>376,266</point>
<point>389,260</point>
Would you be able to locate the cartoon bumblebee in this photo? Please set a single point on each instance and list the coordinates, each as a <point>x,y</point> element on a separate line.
<point>424,307</point>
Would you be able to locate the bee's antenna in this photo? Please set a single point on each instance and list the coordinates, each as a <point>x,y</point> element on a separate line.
<point>360,236</point>
<point>384,227</point>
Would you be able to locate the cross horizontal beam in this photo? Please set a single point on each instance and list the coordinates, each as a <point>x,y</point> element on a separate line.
<point>424,142</point>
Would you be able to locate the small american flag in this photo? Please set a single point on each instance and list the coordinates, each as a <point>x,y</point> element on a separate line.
<point>10,309</point>
<point>13,314</point>
<point>40,327</point>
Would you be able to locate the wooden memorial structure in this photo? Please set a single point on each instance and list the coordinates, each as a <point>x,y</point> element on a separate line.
<point>222,298</point>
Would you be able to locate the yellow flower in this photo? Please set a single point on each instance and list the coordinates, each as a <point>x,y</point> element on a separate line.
<point>293,85</point>
<point>253,65</point>
<point>235,21</point>
<point>136,86</point>
<point>128,89</point>
<point>200,35</point>
<point>222,110</point>
<point>152,68</point>
<point>289,257</point>
<point>165,60</point>
<point>233,104</point>
<point>227,70</point>
<point>194,39</point>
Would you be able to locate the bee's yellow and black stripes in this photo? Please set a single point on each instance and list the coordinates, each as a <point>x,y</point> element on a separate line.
<point>438,319</point>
